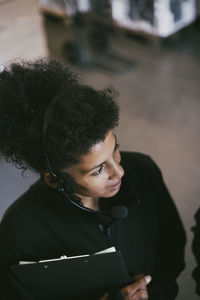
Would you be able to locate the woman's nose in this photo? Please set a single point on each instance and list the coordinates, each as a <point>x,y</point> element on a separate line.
<point>117,171</point>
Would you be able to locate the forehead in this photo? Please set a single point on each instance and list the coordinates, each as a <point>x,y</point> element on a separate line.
<point>97,155</point>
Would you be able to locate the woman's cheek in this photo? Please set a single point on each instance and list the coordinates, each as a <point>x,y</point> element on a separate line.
<point>101,180</point>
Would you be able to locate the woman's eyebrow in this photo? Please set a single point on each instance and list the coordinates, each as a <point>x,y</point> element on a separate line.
<point>98,166</point>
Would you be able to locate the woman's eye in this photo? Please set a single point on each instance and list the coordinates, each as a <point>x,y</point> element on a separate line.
<point>98,172</point>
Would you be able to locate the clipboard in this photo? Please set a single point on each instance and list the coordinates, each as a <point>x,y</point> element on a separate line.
<point>73,278</point>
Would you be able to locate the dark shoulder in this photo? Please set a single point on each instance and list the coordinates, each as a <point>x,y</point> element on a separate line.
<point>24,209</point>
<point>25,199</point>
<point>142,170</point>
<point>138,162</point>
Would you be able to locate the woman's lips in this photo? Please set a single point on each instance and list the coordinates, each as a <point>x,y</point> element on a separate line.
<point>115,186</point>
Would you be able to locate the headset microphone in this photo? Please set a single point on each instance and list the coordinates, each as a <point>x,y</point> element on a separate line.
<point>119,212</point>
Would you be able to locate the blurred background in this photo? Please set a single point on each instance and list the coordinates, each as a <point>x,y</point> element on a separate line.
<point>150,52</point>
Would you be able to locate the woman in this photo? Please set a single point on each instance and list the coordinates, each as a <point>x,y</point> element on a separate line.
<point>55,125</point>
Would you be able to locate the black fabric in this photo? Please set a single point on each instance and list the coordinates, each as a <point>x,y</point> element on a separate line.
<point>41,224</point>
<point>196,251</point>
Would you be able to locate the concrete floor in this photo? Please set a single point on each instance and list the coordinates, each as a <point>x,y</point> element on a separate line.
<point>21,32</point>
<point>160,110</point>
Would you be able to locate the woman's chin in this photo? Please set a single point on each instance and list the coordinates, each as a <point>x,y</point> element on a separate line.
<point>112,192</point>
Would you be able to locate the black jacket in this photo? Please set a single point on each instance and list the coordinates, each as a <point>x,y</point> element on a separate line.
<point>42,224</point>
<point>196,251</point>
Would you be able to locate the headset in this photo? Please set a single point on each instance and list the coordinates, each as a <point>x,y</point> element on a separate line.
<point>67,189</point>
<point>65,186</point>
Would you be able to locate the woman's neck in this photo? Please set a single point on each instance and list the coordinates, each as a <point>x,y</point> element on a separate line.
<point>92,203</point>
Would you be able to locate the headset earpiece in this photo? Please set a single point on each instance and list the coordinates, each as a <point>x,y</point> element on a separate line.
<point>64,186</point>
<point>65,183</point>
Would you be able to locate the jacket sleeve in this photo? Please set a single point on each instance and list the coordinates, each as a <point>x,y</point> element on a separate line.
<point>196,251</point>
<point>10,288</point>
<point>171,244</point>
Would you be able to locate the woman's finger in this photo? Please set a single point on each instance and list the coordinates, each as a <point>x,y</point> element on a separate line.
<point>140,295</point>
<point>140,284</point>
<point>129,291</point>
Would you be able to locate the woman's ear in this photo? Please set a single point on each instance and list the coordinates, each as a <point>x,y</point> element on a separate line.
<point>49,180</point>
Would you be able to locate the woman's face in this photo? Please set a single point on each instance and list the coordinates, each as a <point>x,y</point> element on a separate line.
<point>99,172</point>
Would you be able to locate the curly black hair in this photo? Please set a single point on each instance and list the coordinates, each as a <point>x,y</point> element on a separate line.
<point>45,109</point>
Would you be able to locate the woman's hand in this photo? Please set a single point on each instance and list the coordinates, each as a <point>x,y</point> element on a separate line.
<point>136,290</point>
